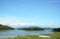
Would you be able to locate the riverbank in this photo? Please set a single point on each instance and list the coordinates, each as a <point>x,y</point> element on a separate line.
<point>56,35</point>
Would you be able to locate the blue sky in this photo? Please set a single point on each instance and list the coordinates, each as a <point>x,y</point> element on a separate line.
<point>30,12</point>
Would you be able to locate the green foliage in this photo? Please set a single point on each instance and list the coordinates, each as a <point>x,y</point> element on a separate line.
<point>5,27</point>
<point>56,29</point>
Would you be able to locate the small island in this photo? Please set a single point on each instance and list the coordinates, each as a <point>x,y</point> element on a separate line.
<point>5,27</point>
<point>30,28</point>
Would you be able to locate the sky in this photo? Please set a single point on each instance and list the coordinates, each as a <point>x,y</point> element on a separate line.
<point>44,13</point>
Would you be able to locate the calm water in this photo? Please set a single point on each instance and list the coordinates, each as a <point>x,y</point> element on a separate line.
<point>12,33</point>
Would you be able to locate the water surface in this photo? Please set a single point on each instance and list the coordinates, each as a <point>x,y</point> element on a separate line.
<point>13,33</point>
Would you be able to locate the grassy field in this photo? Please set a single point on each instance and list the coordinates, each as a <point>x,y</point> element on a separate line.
<point>56,35</point>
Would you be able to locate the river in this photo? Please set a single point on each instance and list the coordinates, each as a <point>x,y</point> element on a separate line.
<point>13,33</point>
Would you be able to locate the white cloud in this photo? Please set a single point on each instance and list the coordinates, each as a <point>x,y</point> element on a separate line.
<point>13,21</point>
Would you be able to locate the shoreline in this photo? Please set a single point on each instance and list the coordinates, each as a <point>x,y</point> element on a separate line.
<point>56,35</point>
<point>23,36</point>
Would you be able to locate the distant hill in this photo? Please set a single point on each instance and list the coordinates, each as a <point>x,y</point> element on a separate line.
<point>5,27</point>
<point>47,28</point>
<point>30,28</point>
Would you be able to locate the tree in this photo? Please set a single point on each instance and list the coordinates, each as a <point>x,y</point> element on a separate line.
<point>56,29</point>
<point>5,27</point>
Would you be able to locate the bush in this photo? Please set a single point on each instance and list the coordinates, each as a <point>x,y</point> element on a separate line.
<point>56,29</point>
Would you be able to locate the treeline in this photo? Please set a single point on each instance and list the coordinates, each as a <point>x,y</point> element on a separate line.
<point>5,27</point>
<point>56,29</point>
<point>30,28</point>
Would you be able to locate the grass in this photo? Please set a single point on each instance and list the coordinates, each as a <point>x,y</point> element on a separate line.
<point>56,35</point>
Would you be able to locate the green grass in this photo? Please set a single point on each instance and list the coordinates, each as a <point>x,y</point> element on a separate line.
<point>56,35</point>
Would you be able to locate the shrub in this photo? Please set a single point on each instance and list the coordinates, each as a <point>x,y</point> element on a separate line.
<point>56,29</point>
